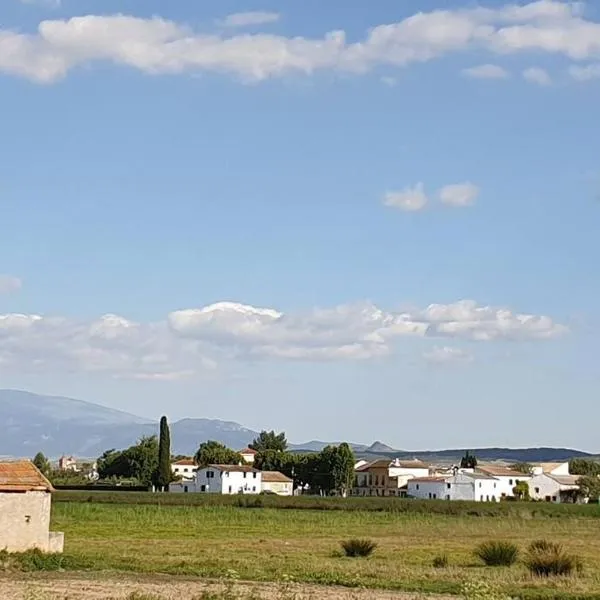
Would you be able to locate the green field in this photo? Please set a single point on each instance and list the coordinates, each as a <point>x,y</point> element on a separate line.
<point>270,544</point>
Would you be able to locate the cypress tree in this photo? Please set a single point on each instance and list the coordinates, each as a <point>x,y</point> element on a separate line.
<point>164,474</point>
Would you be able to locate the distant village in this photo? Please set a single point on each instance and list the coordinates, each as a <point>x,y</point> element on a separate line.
<point>471,481</point>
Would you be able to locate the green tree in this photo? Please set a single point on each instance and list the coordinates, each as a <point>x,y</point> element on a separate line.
<point>583,466</point>
<point>589,487</point>
<point>269,440</point>
<point>138,462</point>
<point>343,469</point>
<point>42,463</point>
<point>215,453</point>
<point>521,490</point>
<point>522,467</point>
<point>468,461</point>
<point>164,473</point>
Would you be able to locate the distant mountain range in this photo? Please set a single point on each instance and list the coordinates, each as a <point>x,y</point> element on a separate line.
<point>54,425</point>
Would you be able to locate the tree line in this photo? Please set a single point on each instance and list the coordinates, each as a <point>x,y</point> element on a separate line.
<point>148,462</point>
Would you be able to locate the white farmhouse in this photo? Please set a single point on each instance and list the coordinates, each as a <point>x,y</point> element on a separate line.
<point>507,478</point>
<point>185,469</point>
<point>554,488</point>
<point>25,498</point>
<point>476,487</point>
<point>275,482</point>
<point>551,468</point>
<point>222,479</point>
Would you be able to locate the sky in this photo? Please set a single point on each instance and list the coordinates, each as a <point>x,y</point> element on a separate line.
<point>346,220</point>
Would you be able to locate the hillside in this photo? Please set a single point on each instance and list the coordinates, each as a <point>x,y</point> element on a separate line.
<point>56,425</point>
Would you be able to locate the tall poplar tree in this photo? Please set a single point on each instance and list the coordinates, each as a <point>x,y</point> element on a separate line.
<point>164,474</point>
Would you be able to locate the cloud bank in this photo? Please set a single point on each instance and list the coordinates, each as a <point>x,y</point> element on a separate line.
<point>191,341</point>
<point>159,46</point>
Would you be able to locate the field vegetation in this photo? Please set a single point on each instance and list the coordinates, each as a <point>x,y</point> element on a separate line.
<point>210,537</point>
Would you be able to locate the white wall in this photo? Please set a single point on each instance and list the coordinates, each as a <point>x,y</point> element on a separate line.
<point>281,488</point>
<point>506,484</point>
<point>212,480</point>
<point>458,487</point>
<point>184,471</point>
<point>542,487</point>
<point>25,522</point>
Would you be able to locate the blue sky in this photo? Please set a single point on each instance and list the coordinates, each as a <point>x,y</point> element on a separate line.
<point>226,210</point>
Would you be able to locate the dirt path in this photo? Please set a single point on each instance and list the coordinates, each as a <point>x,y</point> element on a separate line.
<point>113,587</point>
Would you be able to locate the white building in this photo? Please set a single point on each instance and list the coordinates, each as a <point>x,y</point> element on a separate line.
<point>507,478</point>
<point>25,502</point>
<point>222,479</point>
<point>476,487</point>
<point>387,478</point>
<point>248,455</point>
<point>275,482</point>
<point>554,468</point>
<point>554,488</point>
<point>185,469</point>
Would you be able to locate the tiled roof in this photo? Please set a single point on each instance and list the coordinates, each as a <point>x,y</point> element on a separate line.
<point>185,462</point>
<point>247,451</point>
<point>476,475</point>
<point>567,480</point>
<point>235,468</point>
<point>275,477</point>
<point>500,471</point>
<point>22,476</point>
<point>386,463</point>
<point>428,480</point>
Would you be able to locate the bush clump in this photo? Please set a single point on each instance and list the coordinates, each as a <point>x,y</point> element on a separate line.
<point>440,561</point>
<point>497,554</point>
<point>547,559</point>
<point>32,560</point>
<point>358,547</point>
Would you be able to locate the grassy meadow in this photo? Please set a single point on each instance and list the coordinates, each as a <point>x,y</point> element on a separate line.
<point>303,544</point>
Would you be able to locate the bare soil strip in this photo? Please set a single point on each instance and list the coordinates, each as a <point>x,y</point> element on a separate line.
<point>113,587</point>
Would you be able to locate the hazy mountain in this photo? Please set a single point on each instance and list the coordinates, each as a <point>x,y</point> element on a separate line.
<point>56,425</point>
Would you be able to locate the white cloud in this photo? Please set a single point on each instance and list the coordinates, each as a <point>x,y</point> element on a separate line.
<point>537,75</point>
<point>9,284</point>
<point>459,194</point>
<point>249,19</point>
<point>447,355</point>
<point>157,46</point>
<point>585,73</point>
<point>192,341</point>
<point>410,199</point>
<point>487,71</point>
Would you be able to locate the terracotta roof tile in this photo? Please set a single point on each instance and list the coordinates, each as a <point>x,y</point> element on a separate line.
<point>275,477</point>
<point>22,476</point>
<point>185,462</point>
<point>235,468</point>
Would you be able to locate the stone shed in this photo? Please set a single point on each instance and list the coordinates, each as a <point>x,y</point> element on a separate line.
<point>25,501</point>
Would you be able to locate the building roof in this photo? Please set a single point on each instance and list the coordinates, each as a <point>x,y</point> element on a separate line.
<point>566,480</point>
<point>185,462</point>
<point>275,477</point>
<point>500,471</point>
<point>386,463</point>
<point>22,476</point>
<point>428,480</point>
<point>247,451</point>
<point>475,475</point>
<point>235,468</point>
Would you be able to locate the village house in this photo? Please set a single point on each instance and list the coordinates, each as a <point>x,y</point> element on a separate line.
<point>463,485</point>
<point>222,479</point>
<point>387,478</point>
<point>67,463</point>
<point>274,482</point>
<point>560,489</point>
<point>248,455</point>
<point>507,478</point>
<point>184,469</point>
<point>551,468</point>
<point>25,499</point>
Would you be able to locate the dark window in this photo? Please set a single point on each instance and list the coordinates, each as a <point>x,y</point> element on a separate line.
<point>245,474</point>
<point>230,489</point>
<point>537,490</point>
<point>202,488</point>
<point>417,486</point>
<point>449,485</point>
<point>510,482</point>
<point>185,488</point>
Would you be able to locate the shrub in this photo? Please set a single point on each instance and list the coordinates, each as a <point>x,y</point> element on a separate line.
<point>497,554</point>
<point>440,561</point>
<point>358,547</point>
<point>546,559</point>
